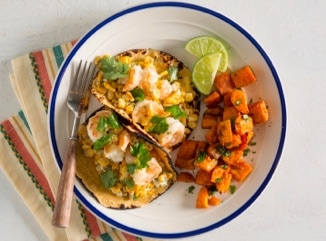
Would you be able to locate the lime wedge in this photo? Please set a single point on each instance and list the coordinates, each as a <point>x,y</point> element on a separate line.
<point>202,45</point>
<point>204,72</point>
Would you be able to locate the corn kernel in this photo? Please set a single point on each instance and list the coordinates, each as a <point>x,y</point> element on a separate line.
<point>192,125</point>
<point>121,103</point>
<point>130,108</point>
<point>101,90</point>
<point>108,86</point>
<point>163,73</point>
<point>102,162</point>
<point>125,60</point>
<point>89,152</point>
<point>193,117</point>
<point>189,97</point>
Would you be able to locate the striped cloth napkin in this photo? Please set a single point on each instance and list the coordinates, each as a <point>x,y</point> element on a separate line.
<point>26,156</point>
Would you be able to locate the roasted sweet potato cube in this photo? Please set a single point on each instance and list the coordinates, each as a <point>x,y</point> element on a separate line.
<point>227,100</point>
<point>241,170</point>
<point>218,172</point>
<point>243,124</point>
<point>236,141</point>
<point>224,185</point>
<point>258,111</point>
<point>211,135</point>
<point>224,131</point>
<point>243,77</point>
<point>217,110</point>
<point>239,101</point>
<point>185,177</point>
<point>230,113</point>
<point>202,198</point>
<point>223,83</point>
<point>233,157</point>
<point>208,121</point>
<point>206,163</point>
<point>214,201</point>
<point>186,155</point>
<point>203,178</point>
<point>213,99</point>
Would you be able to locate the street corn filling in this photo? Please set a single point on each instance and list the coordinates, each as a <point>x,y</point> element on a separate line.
<point>127,165</point>
<point>153,89</point>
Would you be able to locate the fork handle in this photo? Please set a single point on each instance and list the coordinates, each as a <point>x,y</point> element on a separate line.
<point>61,215</point>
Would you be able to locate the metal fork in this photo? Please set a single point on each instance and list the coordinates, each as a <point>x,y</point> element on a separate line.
<point>78,98</point>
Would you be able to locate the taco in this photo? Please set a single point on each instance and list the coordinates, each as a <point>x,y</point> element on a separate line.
<point>153,90</point>
<point>121,169</point>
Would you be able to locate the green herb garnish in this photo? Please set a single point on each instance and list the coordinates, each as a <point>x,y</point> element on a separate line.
<point>108,178</point>
<point>129,183</point>
<point>201,157</point>
<point>159,125</point>
<point>223,151</point>
<point>113,69</point>
<point>173,73</point>
<point>138,94</point>
<point>246,151</point>
<point>101,142</point>
<point>106,122</point>
<point>140,151</point>
<point>175,111</point>
<point>191,189</point>
<point>232,189</point>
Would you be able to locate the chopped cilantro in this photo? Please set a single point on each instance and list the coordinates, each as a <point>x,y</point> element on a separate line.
<point>246,152</point>
<point>108,178</point>
<point>218,180</point>
<point>232,189</point>
<point>139,151</point>
<point>201,157</point>
<point>175,111</point>
<point>129,183</point>
<point>223,151</point>
<point>138,94</point>
<point>131,168</point>
<point>173,73</point>
<point>101,142</point>
<point>159,125</point>
<point>106,122</point>
<point>113,69</point>
<point>191,189</point>
<point>252,143</point>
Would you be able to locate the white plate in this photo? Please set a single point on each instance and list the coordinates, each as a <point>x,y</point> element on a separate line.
<point>167,26</point>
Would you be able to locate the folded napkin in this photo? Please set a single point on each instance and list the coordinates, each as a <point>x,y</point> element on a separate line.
<point>26,156</point>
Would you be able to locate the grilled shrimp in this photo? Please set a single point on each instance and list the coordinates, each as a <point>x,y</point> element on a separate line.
<point>146,175</point>
<point>148,83</point>
<point>124,139</point>
<point>92,124</point>
<point>145,110</point>
<point>173,135</point>
<point>113,152</point>
<point>133,79</point>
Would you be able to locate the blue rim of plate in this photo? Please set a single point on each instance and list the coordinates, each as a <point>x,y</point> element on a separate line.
<point>195,8</point>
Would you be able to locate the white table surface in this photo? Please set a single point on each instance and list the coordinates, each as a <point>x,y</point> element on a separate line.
<point>293,33</point>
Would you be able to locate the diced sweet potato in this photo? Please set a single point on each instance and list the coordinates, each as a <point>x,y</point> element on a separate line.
<point>243,124</point>
<point>224,185</point>
<point>212,99</point>
<point>233,157</point>
<point>202,198</point>
<point>208,121</point>
<point>258,111</point>
<point>211,135</point>
<point>207,163</point>
<point>236,141</point>
<point>217,173</point>
<point>224,131</point>
<point>239,101</point>
<point>243,77</point>
<point>216,111</point>
<point>214,201</point>
<point>227,100</point>
<point>223,83</point>
<point>230,113</point>
<point>241,170</point>
<point>186,155</point>
<point>203,178</point>
<point>185,177</point>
